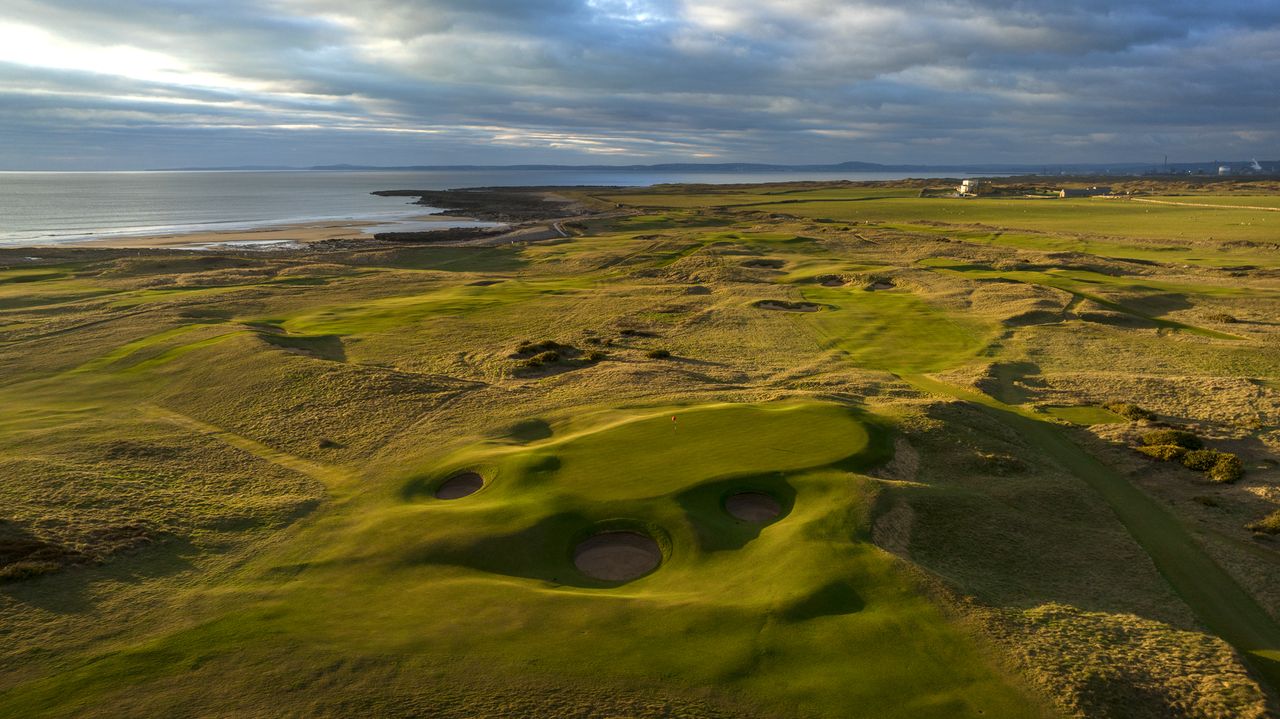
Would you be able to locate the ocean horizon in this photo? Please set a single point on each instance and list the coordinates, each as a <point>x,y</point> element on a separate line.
<point>51,207</point>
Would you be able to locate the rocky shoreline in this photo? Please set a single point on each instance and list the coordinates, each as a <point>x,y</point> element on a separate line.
<point>509,205</point>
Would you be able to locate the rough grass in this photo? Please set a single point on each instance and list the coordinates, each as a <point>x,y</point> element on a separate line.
<point>218,470</point>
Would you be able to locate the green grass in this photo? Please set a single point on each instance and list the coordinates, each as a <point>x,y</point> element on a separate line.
<point>894,330</point>
<point>276,442</point>
<point>1207,254</point>
<point>130,348</point>
<point>385,314</point>
<point>1232,200</point>
<point>1090,285</point>
<point>1084,415</point>
<point>799,613</point>
<point>1218,600</point>
<point>1088,216</point>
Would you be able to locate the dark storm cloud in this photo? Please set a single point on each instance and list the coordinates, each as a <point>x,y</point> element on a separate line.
<point>230,82</point>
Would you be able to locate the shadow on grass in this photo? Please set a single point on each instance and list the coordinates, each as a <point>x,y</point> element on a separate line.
<point>832,599</point>
<point>718,530</point>
<point>543,550</point>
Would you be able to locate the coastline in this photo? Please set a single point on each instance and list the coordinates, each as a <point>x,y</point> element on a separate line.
<point>285,236</point>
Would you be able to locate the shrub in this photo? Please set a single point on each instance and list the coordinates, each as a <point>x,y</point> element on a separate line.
<point>1227,469</point>
<point>27,569</point>
<point>1201,460</point>
<point>1163,452</point>
<point>1269,524</point>
<point>544,346</point>
<point>546,357</point>
<point>657,354</point>
<point>595,356</point>
<point>1222,317</point>
<point>1172,436</point>
<point>1130,411</point>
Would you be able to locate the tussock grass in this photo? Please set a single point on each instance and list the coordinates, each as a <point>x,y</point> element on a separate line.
<point>219,470</point>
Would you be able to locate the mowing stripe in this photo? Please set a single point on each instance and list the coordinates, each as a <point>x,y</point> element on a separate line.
<point>1221,604</point>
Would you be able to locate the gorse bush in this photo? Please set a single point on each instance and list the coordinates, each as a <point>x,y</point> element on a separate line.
<point>657,354</point>
<point>1201,460</point>
<point>1163,452</point>
<point>1174,444</point>
<point>531,348</point>
<point>1177,437</point>
<point>1269,524</point>
<point>1227,469</point>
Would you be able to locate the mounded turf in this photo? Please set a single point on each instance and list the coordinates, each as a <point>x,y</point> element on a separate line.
<point>799,615</point>
<point>1214,595</point>
<point>334,484</point>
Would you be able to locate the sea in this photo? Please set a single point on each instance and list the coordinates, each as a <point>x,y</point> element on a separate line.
<point>43,208</point>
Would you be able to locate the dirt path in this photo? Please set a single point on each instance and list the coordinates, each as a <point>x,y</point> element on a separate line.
<point>1206,204</point>
<point>330,476</point>
<point>1220,603</point>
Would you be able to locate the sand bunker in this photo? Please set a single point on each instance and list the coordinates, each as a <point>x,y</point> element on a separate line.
<point>765,264</point>
<point>831,281</point>
<point>460,485</point>
<point>754,507</point>
<point>617,556</point>
<point>881,285</point>
<point>784,306</point>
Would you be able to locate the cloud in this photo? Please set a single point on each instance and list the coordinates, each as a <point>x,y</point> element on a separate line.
<point>449,81</point>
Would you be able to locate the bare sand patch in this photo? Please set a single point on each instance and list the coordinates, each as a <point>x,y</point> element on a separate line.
<point>460,485</point>
<point>617,556</point>
<point>753,507</point>
<point>300,233</point>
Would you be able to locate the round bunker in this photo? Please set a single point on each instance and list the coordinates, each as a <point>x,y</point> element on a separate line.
<point>753,507</point>
<point>460,485</point>
<point>617,556</point>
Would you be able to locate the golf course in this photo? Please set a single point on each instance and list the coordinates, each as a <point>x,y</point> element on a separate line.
<point>813,450</point>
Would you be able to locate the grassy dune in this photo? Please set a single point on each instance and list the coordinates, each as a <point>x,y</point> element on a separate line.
<point>221,470</point>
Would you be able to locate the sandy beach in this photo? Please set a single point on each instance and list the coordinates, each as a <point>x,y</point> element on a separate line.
<point>300,233</point>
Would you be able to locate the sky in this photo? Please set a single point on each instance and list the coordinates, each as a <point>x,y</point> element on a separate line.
<point>132,84</point>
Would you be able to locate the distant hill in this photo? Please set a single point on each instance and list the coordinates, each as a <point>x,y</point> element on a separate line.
<point>1270,167</point>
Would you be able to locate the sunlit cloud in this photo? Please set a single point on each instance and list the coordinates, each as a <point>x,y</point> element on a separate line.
<point>511,81</point>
